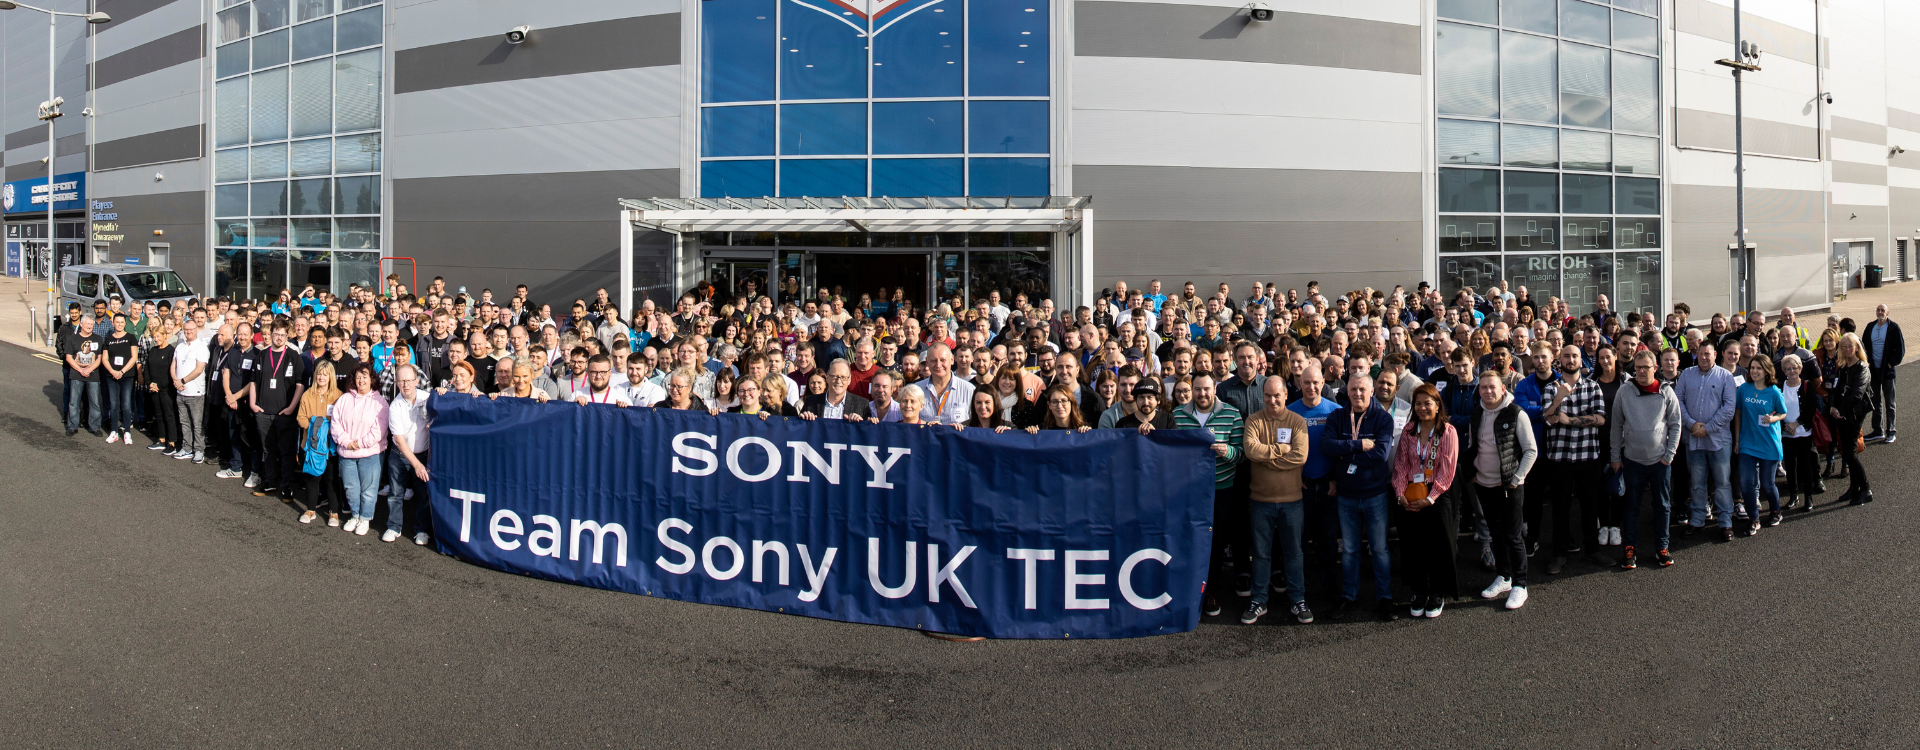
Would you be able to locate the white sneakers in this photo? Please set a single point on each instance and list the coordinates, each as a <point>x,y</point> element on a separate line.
<point>253,480</point>
<point>422,539</point>
<point>362,528</point>
<point>127,437</point>
<point>113,437</point>
<point>1500,586</point>
<point>1613,535</point>
<point>389,535</point>
<point>227,474</point>
<point>1517,598</point>
<point>308,517</point>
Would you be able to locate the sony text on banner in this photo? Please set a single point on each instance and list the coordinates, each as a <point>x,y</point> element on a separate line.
<point>1058,535</point>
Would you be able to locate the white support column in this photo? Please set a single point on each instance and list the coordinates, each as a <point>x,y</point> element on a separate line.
<point>627,217</point>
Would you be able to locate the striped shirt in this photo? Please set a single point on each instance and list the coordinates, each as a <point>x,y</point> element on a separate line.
<point>1227,426</point>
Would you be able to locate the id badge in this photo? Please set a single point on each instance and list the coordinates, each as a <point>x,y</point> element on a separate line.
<point>273,383</point>
<point>1419,478</point>
<point>1351,468</point>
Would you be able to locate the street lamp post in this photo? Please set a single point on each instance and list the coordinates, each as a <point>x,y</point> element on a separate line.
<point>50,111</point>
<point>1746,58</point>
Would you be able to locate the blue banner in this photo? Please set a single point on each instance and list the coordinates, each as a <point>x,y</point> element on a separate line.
<point>1104,534</point>
<point>27,196</point>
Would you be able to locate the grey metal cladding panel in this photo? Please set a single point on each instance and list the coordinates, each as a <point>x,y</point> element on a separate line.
<point>26,137</point>
<point>1856,130</point>
<point>507,198</point>
<point>1859,174</point>
<point>558,261</point>
<point>1215,194</point>
<point>1206,32</point>
<point>1715,21</point>
<point>165,145</point>
<point>1904,210</point>
<point>123,11</point>
<point>1701,129</point>
<point>1182,250</point>
<point>66,145</point>
<point>1904,120</point>
<point>618,44</point>
<point>165,52</point>
<point>1715,204</point>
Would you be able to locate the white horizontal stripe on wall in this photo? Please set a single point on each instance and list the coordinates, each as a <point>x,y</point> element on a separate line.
<point>602,96</point>
<point>1795,13</point>
<point>572,147</point>
<point>1244,88</point>
<point>1857,152</point>
<point>1903,178</point>
<point>146,27</point>
<point>1111,137</point>
<point>1716,169</point>
<point>1783,92</point>
<point>1390,11</point>
<point>1850,194</point>
<point>165,99</point>
<point>419,23</point>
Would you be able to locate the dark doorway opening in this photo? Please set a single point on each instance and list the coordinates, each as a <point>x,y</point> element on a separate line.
<point>863,273</point>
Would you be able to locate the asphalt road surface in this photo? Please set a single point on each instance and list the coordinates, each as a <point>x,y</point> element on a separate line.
<point>144,603</point>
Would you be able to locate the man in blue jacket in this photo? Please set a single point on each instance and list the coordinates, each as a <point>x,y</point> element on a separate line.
<point>1531,394</point>
<point>1885,349</point>
<point>1356,439</point>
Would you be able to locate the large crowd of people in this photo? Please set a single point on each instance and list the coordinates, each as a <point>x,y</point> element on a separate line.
<point>1348,429</point>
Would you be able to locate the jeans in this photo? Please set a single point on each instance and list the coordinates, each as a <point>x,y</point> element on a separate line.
<point>1652,479</point>
<point>1845,432</point>
<point>243,451</point>
<point>1229,516</point>
<point>1289,519</point>
<point>119,404</point>
<point>1506,519</point>
<point>419,508</point>
<point>360,477</point>
<point>280,456</point>
<point>91,391</point>
<point>1756,481</point>
<point>192,438</point>
<point>1803,471</point>
<point>1713,465</point>
<point>1882,391</point>
<point>1322,529</point>
<point>1573,489</point>
<point>166,411</point>
<point>1364,517</point>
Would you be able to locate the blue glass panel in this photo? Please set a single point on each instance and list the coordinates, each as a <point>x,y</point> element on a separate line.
<point>1009,47</point>
<point>827,177</point>
<point>1008,128</point>
<point>736,179</point>
<point>916,177</point>
<point>812,129</point>
<point>1026,176</point>
<point>737,131</point>
<point>737,43</point>
<point>917,128</point>
<point>823,52</point>
<point>917,48</point>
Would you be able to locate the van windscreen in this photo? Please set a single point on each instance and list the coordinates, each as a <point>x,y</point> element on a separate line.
<point>151,284</point>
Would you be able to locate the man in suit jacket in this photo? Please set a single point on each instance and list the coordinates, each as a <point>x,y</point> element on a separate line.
<point>837,402</point>
<point>1886,347</point>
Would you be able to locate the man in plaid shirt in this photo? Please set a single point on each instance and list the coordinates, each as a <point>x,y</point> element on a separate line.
<point>1571,457</point>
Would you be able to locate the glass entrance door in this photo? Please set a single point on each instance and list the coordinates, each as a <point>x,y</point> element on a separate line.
<point>737,278</point>
<point>885,279</point>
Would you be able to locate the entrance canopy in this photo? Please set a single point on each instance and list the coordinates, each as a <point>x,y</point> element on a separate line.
<point>657,258</point>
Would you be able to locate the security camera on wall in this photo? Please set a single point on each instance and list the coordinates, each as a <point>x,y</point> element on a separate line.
<point>518,34</point>
<point>1259,13</point>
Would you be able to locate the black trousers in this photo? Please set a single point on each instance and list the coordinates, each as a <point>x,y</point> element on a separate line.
<point>1572,488</point>
<point>1882,390</point>
<point>168,409</point>
<point>1322,537</point>
<point>1229,522</point>
<point>279,450</point>
<point>1427,546</point>
<point>1803,467</point>
<point>419,508</point>
<point>322,494</point>
<point>1845,431</point>
<point>1504,507</point>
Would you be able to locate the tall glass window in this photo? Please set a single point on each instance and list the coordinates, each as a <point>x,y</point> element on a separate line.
<point>297,128</point>
<point>911,98</point>
<point>1549,149</point>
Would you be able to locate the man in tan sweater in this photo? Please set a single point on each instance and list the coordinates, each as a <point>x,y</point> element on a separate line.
<point>1276,447</point>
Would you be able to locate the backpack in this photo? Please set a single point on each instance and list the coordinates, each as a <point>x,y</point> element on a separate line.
<point>319,447</point>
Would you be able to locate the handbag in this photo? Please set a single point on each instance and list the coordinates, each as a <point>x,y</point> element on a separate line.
<point>1822,432</point>
<point>319,448</point>
<point>1417,491</point>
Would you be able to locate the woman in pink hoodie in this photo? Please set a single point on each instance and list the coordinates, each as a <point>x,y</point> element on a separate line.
<point>360,434</point>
